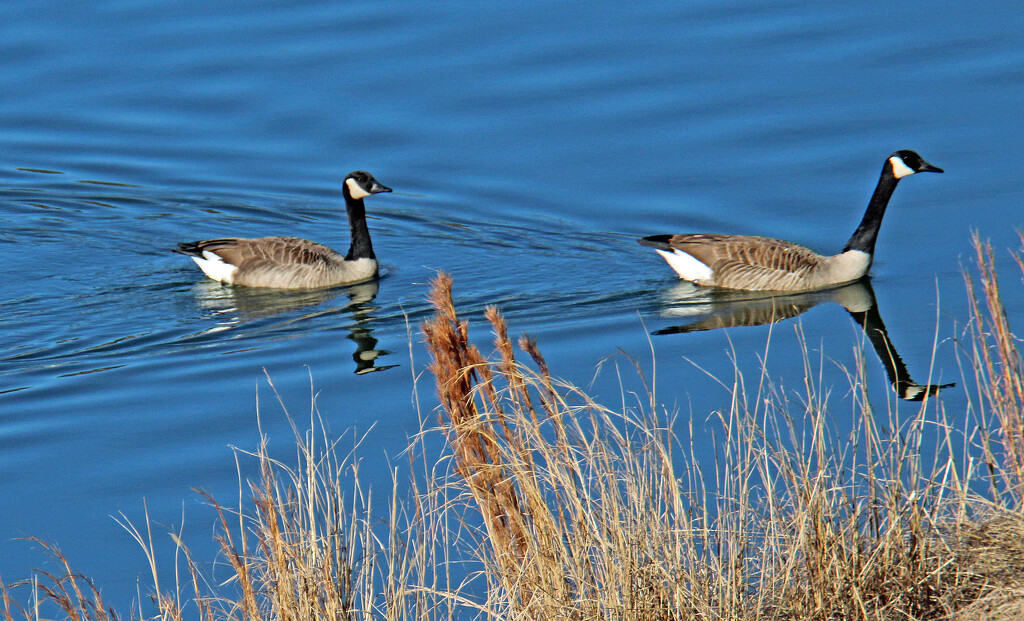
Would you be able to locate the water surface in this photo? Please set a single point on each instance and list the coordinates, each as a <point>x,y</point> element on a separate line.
<point>528,145</point>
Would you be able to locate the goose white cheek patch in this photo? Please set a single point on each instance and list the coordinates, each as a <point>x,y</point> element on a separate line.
<point>899,169</point>
<point>354,190</point>
<point>686,266</point>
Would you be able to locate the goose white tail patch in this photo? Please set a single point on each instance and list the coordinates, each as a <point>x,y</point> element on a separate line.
<point>913,392</point>
<point>686,265</point>
<point>354,190</point>
<point>899,169</point>
<point>215,267</point>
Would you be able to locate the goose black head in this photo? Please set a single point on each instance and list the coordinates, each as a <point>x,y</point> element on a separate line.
<point>360,184</point>
<point>906,162</point>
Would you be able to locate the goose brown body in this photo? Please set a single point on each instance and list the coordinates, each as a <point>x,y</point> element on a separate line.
<point>283,262</point>
<point>762,263</point>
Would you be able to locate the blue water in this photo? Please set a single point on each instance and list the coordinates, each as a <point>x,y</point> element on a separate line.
<point>528,144</point>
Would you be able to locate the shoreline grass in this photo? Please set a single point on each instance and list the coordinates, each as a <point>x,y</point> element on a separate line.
<point>573,510</point>
<point>591,513</point>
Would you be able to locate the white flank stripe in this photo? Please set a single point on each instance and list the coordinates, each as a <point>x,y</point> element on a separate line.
<point>686,265</point>
<point>214,267</point>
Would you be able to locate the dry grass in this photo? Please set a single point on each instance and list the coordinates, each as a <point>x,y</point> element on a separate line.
<point>303,547</point>
<point>545,467</point>
<point>577,511</point>
<point>590,513</point>
<point>998,368</point>
<point>69,593</point>
<point>308,548</point>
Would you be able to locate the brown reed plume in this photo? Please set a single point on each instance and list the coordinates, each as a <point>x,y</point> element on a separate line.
<point>481,437</point>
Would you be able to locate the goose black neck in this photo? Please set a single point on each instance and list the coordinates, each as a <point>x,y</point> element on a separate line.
<point>361,247</point>
<point>864,237</point>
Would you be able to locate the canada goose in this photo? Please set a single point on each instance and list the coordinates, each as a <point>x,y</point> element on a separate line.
<point>765,264</point>
<point>293,262</point>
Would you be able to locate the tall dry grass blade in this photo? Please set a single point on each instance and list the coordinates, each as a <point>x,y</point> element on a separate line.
<point>74,594</point>
<point>998,365</point>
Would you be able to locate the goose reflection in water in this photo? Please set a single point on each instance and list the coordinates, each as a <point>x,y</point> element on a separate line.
<point>727,309</point>
<point>236,306</point>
